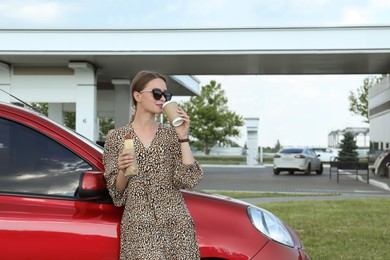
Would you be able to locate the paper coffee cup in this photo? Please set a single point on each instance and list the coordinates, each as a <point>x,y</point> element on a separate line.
<point>170,110</point>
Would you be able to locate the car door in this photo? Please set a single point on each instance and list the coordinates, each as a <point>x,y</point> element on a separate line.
<point>41,216</point>
<point>314,160</point>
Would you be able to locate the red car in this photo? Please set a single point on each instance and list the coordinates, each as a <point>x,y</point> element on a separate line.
<point>54,203</point>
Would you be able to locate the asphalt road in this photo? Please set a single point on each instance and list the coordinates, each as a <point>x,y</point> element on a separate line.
<point>262,179</point>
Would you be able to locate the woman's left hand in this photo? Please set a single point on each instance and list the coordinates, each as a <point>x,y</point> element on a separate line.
<point>183,129</point>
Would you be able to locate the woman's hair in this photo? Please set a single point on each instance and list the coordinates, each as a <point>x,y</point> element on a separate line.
<point>138,84</point>
<point>141,79</point>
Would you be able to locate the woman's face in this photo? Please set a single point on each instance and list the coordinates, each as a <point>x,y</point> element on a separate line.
<point>148,98</point>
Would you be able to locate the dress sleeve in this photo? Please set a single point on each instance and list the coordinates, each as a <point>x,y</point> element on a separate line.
<point>186,176</point>
<point>112,148</point>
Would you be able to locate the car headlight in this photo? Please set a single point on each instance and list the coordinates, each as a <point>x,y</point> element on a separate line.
<point>268,224</point>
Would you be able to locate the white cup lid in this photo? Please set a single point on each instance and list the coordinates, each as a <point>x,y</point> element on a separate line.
<point>168,102</point>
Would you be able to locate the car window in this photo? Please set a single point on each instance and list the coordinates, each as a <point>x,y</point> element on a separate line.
<point>33,163</point>
<point>322,150</point>
<point>291,150</point>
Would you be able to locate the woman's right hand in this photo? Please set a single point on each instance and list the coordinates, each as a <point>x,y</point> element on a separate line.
<point>125,160</point>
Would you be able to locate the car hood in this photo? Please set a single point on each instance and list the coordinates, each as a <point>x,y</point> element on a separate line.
<point>221,223</point>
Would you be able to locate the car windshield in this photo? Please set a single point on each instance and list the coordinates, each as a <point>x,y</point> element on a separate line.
<point>72,132</point>
<point>291,150</point>
<point>69,130</point>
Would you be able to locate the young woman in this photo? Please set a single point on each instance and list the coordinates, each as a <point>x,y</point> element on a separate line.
<point>155,223</point>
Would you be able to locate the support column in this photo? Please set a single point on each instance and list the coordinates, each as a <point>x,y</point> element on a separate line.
<point>5,82</point>
<point>122,101</point>
<point>252,142</point>
<point>56,112</point>
<point>86,115</point>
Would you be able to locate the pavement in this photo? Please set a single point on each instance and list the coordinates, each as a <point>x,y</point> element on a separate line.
<point>349,186</point>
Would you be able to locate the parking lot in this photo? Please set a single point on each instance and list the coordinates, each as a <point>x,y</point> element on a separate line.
<point>262,179</point>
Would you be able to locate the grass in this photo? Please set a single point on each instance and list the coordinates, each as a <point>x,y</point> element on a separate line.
<point>245,194</point>
<point>343,229</point>
<point>335,229</point>
<point>226,160</point>
<point>221,160</point>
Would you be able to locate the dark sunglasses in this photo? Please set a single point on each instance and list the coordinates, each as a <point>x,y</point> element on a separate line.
<point>157,94</point>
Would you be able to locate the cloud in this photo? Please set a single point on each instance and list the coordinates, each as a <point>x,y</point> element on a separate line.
<point>33,12</point>
<point>365,12</point>
<point>355,16</point>
<point>379,4</point>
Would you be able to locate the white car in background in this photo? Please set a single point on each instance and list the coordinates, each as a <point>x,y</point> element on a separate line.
<point>297,159</point>
<point>326,154</point>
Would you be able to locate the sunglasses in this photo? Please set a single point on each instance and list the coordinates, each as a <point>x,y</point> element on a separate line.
<point>157,94</point>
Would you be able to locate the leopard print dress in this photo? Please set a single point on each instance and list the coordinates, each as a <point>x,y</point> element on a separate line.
<point>156,223</point>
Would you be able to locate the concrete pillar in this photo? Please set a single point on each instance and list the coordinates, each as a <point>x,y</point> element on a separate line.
<point>5,82</point>
<point>252,142</point>
<point>122,101</point>
<point>86,115</point>
<point>56,112</point>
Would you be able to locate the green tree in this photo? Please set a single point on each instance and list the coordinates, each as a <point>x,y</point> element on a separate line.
<point>278,146</point>
<point>358,102</point>
<point>43,108</point>
<point>106,124</point>
<point>211,120</point>
<point>348,147</point>
<point>70,119</point>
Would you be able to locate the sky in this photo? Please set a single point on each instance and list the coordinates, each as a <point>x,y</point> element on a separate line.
<point>294,110</point>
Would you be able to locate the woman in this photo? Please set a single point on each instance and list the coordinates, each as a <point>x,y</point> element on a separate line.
<point>155,223</point>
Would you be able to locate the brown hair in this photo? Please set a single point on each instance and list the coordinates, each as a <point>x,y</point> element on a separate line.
<point>141,79</point>
<point>138,84</point>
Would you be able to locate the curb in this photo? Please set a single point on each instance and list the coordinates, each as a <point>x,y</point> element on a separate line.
<point>233,166</point>
<point>379,184</point>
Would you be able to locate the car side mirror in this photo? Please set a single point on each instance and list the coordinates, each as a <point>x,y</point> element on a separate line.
<point>92,185</point>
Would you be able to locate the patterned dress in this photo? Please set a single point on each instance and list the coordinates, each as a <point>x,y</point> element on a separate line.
<point>156,223</point>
